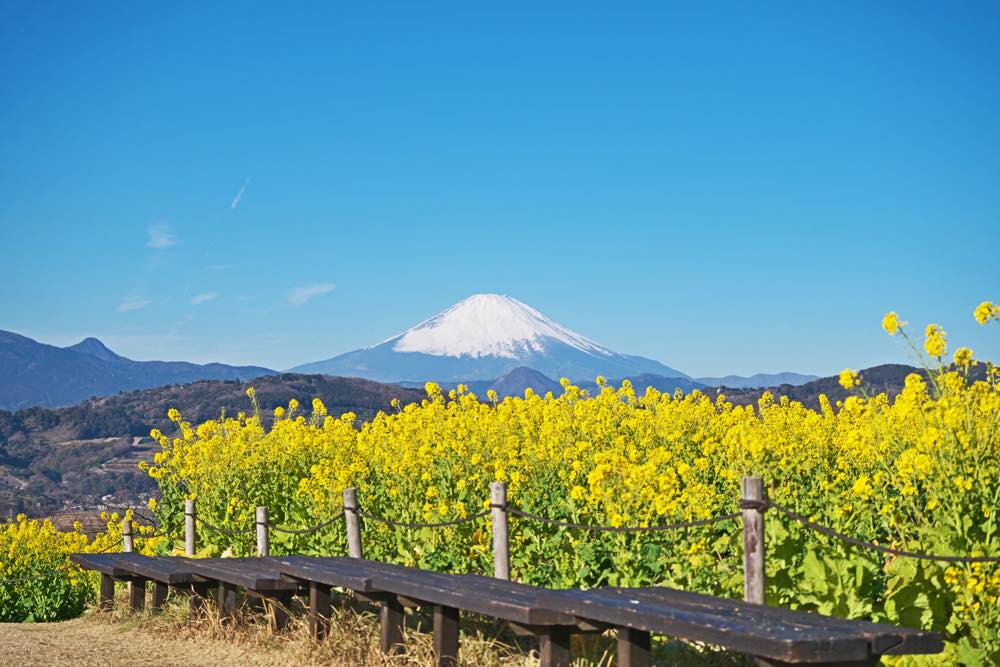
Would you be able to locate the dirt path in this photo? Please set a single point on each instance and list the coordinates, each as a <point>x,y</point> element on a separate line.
<point>84,642</point>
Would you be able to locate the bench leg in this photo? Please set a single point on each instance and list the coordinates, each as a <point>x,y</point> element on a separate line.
<point>278,605</point>
<point>197,595</point>
<point>554,647</point>
<point>633,648</point>
<point>137,594</point>
<point>319,610</point>
<point>254,604</point>
<point>225,601</point>
<point>445,636</point>
<point>107,598</point>
<point>391,617</point>
<point>159,597</point>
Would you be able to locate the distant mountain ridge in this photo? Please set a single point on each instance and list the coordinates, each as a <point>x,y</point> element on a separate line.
<point>758,380</point>
<point>37,374</point>
<point>482,338</point>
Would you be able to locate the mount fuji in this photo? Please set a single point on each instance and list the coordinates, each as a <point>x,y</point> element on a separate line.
<point>482,338</point>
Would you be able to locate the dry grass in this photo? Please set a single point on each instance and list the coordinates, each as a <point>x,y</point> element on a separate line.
<point>174,637</point>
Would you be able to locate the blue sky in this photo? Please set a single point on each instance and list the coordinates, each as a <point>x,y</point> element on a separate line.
<point>725,187</point>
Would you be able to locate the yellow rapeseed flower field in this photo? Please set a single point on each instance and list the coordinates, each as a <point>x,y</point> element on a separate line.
<point>920,472</point>
<point>37,580</point>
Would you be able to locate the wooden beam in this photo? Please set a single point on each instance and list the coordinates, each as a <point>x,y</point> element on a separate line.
<point>633,648</point>
<point>159,596</point>
<point>278,605</point>
<point>554,647</point>
<point>754,577</point>
<point>197,595</point>
<point>501,540</point>
<point>445,636</point>
<point>137,594</point>
<point>107,599</point>
<point>319,610</point>
<point>225,601</point>
<point>352,524</point>
<point>391,617</point>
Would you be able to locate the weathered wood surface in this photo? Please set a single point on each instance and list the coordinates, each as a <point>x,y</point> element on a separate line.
<point>446,637</point>
<point>103,563</point>
<point>482,595</point>
<point>501,599</point>
<point>754,575</point>
<point>349,573</point>
<point>768,632</point>
<point>159,596</point>
<point>172,571</point>
<point>256,574</point>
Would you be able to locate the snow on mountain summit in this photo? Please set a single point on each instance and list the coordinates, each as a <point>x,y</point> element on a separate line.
<point>482,338</point>
<point>490,325</point>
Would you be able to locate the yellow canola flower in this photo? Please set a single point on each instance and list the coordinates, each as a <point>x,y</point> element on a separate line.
<point>986,311</point>
<point>891,323</point>
<point>848,379</point>
<point>963,357</point>
<point>890,469</point>
<point>935,341</point>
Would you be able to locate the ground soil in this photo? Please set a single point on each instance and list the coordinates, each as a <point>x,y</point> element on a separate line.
<point>86,641</point>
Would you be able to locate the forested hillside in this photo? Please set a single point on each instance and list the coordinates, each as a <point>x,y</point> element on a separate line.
<point>78,454</point>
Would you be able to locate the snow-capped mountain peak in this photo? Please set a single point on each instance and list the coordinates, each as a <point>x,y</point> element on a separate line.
<point>482,338</point>
<point>490,325</point>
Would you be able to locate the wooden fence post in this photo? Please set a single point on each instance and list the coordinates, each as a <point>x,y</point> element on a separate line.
<point>352,523</point>
<point>501,541</point>
<point>754,582</point>
<point>189,535</point>
<point>263,538</point>
<point>127,543</point>
<point>136,587</point>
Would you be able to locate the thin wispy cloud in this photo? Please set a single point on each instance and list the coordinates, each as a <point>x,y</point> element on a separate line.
<point>303,293</point>
<point>161,236</point>
<point>198,299</point>
<point>239,195</point>
<point>133,303</point>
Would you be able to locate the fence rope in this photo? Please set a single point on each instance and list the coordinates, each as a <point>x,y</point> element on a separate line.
<point>407,524</point>
<point>622,529</point>
<point>306,531</point>
<point>830,532</point>
<point>223,531</point>
<point>162,533</point>
<point>135,512</point>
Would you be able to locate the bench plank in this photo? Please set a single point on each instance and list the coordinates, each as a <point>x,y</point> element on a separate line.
<point>103,563</point>
<point>166,570</point>
<point>518,603</point>
<point>768,632</point>
<point>346,573</point>
<point>255,574</point>
<point>883,638</point>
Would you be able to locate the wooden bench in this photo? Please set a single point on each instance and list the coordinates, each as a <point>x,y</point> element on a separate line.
<point>773,635</point>
<point>393,586</point>
<point>258,576</point>
<point>320,576</point>
<point>163,572</point>
<point>110,572</point>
